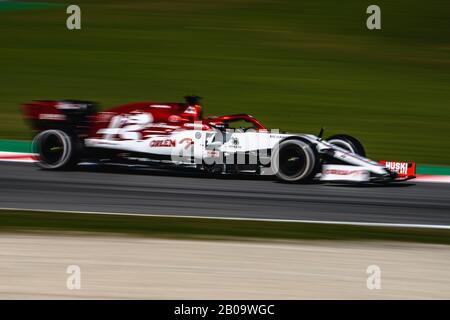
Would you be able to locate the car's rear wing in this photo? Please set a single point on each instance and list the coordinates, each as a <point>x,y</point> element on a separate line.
<point>46,114</point>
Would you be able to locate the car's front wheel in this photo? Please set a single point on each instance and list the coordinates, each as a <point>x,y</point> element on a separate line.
<point>348,143</point>
<point>56,150</point>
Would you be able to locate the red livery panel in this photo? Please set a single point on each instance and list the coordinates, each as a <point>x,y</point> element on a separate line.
<point>403,169</point>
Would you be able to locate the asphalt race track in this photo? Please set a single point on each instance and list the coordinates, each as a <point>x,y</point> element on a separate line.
<point>23,185</point>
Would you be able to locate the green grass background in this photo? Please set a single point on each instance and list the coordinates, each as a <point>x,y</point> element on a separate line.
<point>295,64</point>
<point>198,228</point>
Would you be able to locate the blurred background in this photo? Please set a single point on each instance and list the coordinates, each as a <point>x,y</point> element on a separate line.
<point>295,65</point>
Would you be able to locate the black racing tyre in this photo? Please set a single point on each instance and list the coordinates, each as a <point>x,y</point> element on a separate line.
<point>348,143</point>
<point>294,160</point>
<point>57,150</point>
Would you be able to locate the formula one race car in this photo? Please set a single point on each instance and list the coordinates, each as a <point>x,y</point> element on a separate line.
<point>175,135</point>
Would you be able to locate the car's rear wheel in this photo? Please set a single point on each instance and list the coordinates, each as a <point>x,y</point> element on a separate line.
<point>348,143</point>
<point>56,150</point>
<point>294,160</point>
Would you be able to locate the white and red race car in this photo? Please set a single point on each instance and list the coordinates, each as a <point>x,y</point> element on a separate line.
<point>175,135</point>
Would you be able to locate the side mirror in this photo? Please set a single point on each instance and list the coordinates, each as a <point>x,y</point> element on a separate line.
<point>320,135</point>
